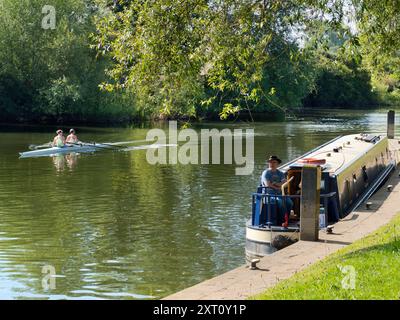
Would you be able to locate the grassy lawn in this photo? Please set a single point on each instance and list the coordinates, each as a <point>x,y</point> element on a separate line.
<point>375,260</point>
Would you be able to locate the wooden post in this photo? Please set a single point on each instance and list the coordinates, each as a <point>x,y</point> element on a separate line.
<point>390,124</point>
<point>310,203</point>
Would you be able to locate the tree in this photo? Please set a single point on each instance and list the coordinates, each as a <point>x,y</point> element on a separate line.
<point>379,34</point>
<point>176,56</point>
<point>55,70</point>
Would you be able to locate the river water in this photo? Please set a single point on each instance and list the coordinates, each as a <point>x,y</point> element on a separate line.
<point>112,226</point>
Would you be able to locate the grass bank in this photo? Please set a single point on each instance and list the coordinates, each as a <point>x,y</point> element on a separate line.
<point>374,258</point>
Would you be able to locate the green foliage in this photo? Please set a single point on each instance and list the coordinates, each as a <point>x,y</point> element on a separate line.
<point>379,24</point>
<point>196,57</point>
<point>59,96</point>
<point>15,96</point>
<point>120,59</point>
<point>152,45</point>
<point>342,80</point>
<point>379,34</point>
<point>341,84</point>
<point>48,74</point>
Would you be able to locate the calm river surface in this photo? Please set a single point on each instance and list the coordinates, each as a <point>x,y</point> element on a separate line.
<point>115,227</point>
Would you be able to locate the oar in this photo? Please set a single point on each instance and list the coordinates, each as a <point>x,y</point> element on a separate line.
<point>127,142</point>
<point>94,145</point>
<point>109,145</point>
<point>35,146</point>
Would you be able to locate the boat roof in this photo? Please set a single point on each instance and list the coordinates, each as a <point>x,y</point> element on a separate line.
<point>339,152</point>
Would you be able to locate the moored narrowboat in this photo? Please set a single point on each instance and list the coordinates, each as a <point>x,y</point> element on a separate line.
<point>352,167</point>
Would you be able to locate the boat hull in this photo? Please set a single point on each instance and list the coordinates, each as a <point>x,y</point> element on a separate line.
<point>352,166</point>
<point>355,178</point>
<point>69,149</point>
<point>349,172</point>
<point>260,240</point>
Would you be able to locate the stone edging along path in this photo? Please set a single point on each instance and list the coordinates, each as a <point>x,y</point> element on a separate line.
<point>242,282</point>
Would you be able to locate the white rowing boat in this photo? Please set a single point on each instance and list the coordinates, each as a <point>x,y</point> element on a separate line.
<point>80,148</point>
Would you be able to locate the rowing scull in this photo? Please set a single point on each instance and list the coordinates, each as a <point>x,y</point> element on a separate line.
<point>84,147</point>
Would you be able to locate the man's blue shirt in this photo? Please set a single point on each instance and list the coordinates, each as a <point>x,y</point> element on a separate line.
<point>276,176</point>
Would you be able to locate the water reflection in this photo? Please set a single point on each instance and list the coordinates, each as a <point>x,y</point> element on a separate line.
<point>72,160</point>
<point>63,161</point>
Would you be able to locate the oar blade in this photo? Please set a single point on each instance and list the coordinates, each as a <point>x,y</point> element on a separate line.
<point>40,146</point>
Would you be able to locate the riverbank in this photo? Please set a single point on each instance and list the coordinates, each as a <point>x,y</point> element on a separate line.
<point>366,269</point>
<point>243,283</point>
<point>245,116</point>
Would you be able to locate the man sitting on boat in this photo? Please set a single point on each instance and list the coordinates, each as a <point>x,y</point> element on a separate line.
<point>72,137</point>
<point>273,179</point>
<point>59,139</point>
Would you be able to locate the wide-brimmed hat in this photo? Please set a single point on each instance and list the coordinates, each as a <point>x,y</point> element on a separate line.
<point>71,130</point>
<point>59,131</point>
<point>274,158</point>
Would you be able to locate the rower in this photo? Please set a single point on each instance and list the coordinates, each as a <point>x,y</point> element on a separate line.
<point>273,179</point>
<point>59,139</point>
<point>72,137</point>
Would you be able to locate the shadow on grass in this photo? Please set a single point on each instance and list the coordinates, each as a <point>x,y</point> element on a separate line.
<point>389,247</point>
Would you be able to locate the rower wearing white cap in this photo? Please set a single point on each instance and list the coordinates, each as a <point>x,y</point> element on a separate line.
<point>72,137</point>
